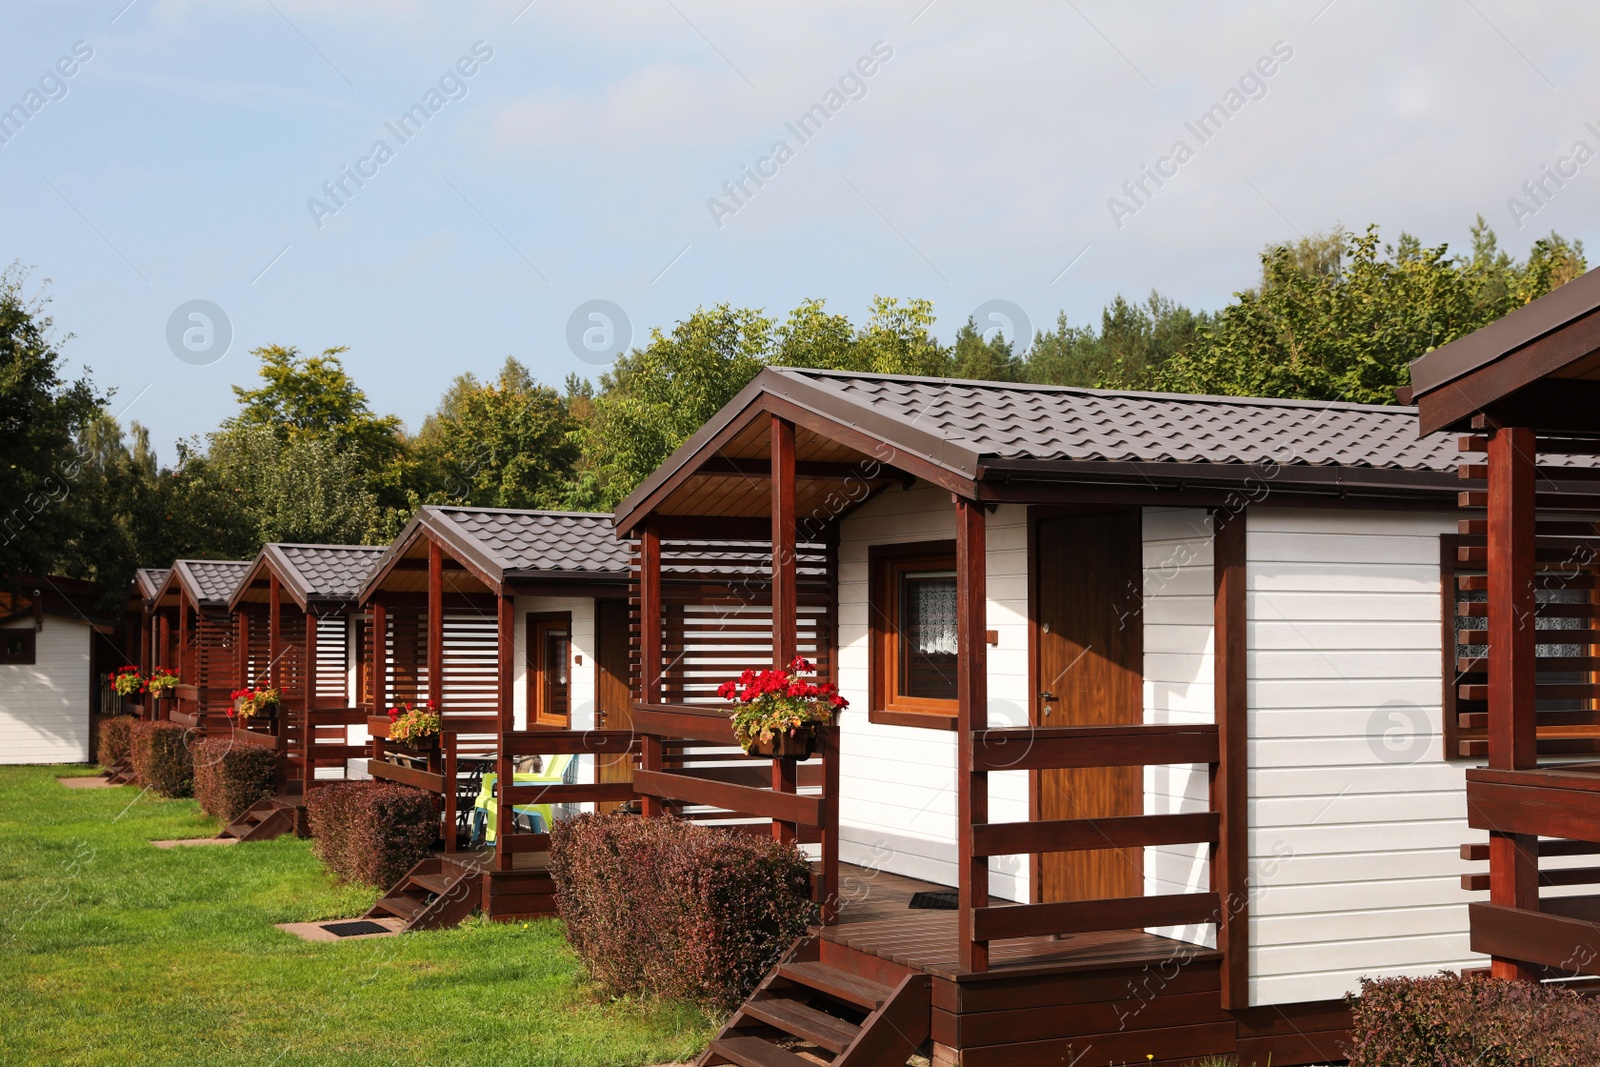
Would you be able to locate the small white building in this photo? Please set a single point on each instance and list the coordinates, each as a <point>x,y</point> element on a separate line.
<point>54,645</point>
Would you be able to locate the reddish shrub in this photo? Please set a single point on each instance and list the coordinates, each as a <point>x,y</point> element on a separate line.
<point>161,757</point>
<point>1475,1021</point>
<point>670,908</point>
<point>371,832</point>
<point>114,738</point>
<point>228,778</point>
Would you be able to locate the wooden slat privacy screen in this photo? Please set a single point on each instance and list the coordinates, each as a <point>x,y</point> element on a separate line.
<point>717,613</point>
<point>1567,615</point>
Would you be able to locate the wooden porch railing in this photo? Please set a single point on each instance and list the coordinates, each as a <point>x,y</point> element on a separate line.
<point>1052,748</point>
<point>677,774</point>
<point>477,738</point>
<point>1556,809</point>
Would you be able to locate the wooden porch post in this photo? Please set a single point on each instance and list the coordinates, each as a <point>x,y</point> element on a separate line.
<point>1230,857</point>
<point>650,758</point>
<point>379,665</point>
<point>436,627</point>
<point>274,631</point>
<point>505,708</point>
<point>972,713</point>
<point>785,587</point>
<point>242,648</point>
<point>308,690</point>
<point>163,647</point>
<point>1513,736</point>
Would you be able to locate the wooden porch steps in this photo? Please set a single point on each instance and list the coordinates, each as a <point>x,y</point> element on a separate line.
<point>434,894</point>
<point>120,772</point>
<point>844,1018</point>
<point>265,820</point>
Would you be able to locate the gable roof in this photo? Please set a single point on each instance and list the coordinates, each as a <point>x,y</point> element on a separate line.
<point>149,580</point>
<point>961,433</point>
<point>208,582</point>
<point>327,575</point>
<point>510,546</point>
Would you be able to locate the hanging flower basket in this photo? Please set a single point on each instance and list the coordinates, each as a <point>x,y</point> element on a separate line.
<point>776,713</point>
<point>416,728</point>
<point>798,744</point>
<point>161,683</point>
<point>260,703</point>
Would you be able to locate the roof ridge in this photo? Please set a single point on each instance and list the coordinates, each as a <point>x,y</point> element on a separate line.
<point>529,512</point>
<point>1080,390</point>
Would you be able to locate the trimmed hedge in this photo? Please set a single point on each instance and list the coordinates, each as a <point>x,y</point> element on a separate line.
<point>115,738</point>
<point>161,757</point>
<point>371,832</point>
<point>666,907</point>
<point>1473,1021</point>
<point>229,778</point>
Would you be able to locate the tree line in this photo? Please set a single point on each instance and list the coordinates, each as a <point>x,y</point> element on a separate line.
<point>1335,316</point>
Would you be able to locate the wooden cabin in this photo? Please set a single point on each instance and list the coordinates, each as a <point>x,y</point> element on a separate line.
<point>1524,394</point>
<point>1157,684</point>
<point>299,629</point>
<point>514,625</point>
<point>195,640</point>
<point>147,583</point>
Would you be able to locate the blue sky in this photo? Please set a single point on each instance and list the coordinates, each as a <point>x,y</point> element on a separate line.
<point>968,153</point>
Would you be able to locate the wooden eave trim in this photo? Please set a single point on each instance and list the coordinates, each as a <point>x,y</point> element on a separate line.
<point>436,529</point>
<point>772,393</point>
<point>1455,398</point>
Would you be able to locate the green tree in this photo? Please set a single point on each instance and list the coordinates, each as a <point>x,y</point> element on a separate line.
<point>1133,342</point>
<point>983,360</point>
<point>655,397</point>
<point>505,444</point>
<point>1346,328</point>
<point>304,489</point>
<point>314,396</point>
<point>42,415</point>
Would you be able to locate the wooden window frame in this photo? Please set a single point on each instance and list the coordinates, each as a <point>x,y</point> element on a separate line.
<point>535,625</point>
<point>29,656</point>
<point>885,563</point>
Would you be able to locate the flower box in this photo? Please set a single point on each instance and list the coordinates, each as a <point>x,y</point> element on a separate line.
<point>776,712</point>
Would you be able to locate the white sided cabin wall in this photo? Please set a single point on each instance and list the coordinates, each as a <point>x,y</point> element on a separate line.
<point>1356,818</point>
<point>897,783</point>
<point>44,706</point>
<point>582,674</point>
<point>1178,611</point>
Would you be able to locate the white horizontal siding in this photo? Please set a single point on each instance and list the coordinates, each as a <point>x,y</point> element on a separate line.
<point>1179,665</point>
<point>44,706</point>
<point>897,784</point>
<point>1353,846</point>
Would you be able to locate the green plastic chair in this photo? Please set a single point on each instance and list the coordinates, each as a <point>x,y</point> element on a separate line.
<point>558,770</point>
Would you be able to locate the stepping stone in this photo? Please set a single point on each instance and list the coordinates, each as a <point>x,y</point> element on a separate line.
<point>318,931</point>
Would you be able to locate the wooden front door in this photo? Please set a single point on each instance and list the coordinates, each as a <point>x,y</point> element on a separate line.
<point>613,695</point>
<point>1089,644</point>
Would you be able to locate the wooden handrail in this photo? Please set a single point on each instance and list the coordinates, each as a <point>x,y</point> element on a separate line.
<point>762,803</point>
<point>690,721</point>
<point>1028,748</point>
<point>1079,835</point>
<point>1084,916</point>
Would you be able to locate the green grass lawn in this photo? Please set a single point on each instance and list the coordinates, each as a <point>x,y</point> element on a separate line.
<point>114,952</point>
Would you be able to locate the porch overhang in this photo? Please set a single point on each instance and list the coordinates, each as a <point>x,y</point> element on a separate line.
<point>1537,367</point>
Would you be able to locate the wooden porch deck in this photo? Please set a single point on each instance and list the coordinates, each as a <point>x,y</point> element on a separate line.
<point>928,941</point>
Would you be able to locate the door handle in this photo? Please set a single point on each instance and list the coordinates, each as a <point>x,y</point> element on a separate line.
<point>1047,698</point>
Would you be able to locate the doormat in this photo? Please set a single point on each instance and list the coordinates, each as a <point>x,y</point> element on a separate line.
<point>935,900</point>
<point>352,929</point>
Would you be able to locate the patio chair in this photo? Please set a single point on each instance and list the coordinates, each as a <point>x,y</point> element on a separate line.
<point>534,818</point>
